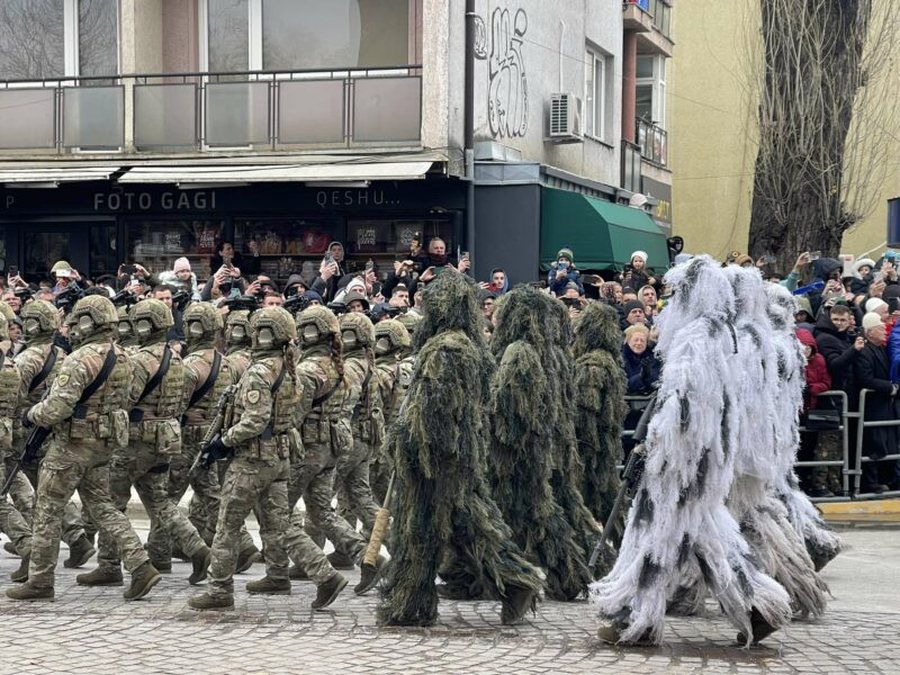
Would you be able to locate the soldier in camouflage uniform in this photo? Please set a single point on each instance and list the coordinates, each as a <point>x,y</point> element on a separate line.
<point>85,435</point>
<point>367,424</point>
<point>11,521</point>
<point>155,398</point>
<point>260,438</point>
<point>393,371</point>
<point>237,340</point>
<point>127,337</point>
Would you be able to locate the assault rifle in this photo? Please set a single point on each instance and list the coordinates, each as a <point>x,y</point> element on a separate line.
<point>36,439</point>
<point>219,422</point>
<point>631,477</point>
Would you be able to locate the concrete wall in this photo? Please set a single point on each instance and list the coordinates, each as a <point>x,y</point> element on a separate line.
<point>520,68</point>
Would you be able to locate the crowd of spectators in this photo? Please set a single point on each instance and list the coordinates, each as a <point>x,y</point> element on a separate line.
<point>846,313</point>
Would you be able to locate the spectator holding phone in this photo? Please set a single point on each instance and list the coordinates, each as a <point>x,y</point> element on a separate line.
<point>227,255</point>
<point>436,260</point>
<point>563,272</point>
<point>636,274</point>
<point>64,275</point>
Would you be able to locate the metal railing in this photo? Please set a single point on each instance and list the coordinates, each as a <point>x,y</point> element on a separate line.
<point>653,141</point>
<point>851,467</point>
<point>203,111</point>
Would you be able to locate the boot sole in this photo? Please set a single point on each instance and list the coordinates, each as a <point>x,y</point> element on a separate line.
<point>147,588</point>
<point>225,608</point>
<point>48,598</point>
<point>104,584</point>
<point>337,591</point>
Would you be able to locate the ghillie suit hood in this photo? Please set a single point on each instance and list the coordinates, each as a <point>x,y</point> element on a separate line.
<point>821,543</point>
<point>443,506</point>
<point>599,407</point>
<point>522,453</point>
<point>679,522</point>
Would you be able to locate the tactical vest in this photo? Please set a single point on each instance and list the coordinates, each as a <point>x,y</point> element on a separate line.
<point>326,414</point>
<point>239,361</point>
<point>203,411</point>
<point>285,399</point>
<point>276,440</point>
<point>166,400</point>
<point>37,355</point>
<point>368,419</point>
<point>9,395</point>
<point>102,416</point>
<point>395,377</point>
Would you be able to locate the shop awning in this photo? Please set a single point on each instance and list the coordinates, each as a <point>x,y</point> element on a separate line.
<point>349,171</point>
<point>601,234</point>
<point>52,176</point>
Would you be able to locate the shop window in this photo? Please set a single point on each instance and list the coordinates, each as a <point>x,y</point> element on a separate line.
<point>41,39</point>
<point>103,257</point>
<point>307,34</point>
<point>387,240</point>
<point>157,243</point>
<point>4,260</point>
<point>41,249</point>
<point>286,246</point>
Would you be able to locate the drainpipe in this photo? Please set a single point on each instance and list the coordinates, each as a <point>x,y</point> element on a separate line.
<point>469,129</point>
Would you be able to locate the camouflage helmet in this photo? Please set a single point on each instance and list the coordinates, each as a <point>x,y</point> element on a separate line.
<point>126,330</point>
<point>92,315</point>
<point>237,327</point>
<point>410,321</point>
<point>390,336</point>
<point>204,314</point>
<point>317,323</point>
<point>357,331</point>
<point>7,311</point>
<point>271,327</point>
<point>39,317</point>
<point>149,318</point>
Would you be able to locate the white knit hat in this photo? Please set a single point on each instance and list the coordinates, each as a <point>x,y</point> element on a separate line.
<point>870,320</point>
<point>639,254</point>
<point>182,264</point>
<point>873,304</point>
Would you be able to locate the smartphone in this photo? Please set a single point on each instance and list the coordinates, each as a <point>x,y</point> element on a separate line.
<point>13,271</point>
<point>370,265</point>
<point>815,255</point>
<point>329,259</point>
<point>465,254</point>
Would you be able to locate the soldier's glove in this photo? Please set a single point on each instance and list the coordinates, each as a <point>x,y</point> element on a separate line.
<point>27,423</point>
<point>215,451</point>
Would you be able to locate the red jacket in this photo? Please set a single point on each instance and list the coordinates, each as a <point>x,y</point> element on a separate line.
<point>818,380</point>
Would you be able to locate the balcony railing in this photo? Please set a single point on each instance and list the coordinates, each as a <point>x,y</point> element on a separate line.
<point>653,141</point>
<point>257,110</point>
<point>643,4</point>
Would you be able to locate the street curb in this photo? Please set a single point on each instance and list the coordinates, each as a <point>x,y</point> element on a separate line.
<point>875,507</point>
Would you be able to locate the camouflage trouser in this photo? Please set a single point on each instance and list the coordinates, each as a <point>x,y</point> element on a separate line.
<point>67,467</point>
<point>73,518</point>
<point>12,522</point>
<point>144,467</point>
<point>312,478</point>
<point>251,483</point>
<point>829,448</point>
<point>351,482</point>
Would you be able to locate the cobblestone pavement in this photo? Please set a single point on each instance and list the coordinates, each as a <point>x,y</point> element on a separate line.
<point>95,631</point>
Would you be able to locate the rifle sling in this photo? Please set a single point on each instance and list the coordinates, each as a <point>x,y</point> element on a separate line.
<point>136,416</point>
<point>108,364</point>
<point>44,373</point>
<point>276,385</point>
<point>198,395</point>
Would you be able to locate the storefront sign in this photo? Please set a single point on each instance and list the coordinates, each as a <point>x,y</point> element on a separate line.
<point>662,214</point>
<point>195,200</point>
<point>370,197</point>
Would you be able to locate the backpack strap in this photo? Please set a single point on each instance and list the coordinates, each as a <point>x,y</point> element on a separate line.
<point>45,371</point>
<point>135,415</point>
<point>108,364</point>
<point>198,395</point>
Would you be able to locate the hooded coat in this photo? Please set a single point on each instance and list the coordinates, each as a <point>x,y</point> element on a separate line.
<point>818,379</point>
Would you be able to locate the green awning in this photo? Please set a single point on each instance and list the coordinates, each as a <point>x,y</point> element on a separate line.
<point>602,235</point>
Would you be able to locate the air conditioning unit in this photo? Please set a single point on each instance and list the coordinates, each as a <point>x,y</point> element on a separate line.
<point>565,118</point>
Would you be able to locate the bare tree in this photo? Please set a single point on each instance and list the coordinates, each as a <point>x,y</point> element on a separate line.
<point>824,102</point>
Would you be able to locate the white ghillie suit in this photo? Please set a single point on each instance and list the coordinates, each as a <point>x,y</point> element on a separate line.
<point>821,543</point>
<point>771,381</point>
<point>679,520</point>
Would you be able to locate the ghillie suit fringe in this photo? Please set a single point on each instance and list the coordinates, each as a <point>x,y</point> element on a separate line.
<point>443,504</point>
<point>821,543</point>
<point>522,415</point>
<point>679,520</point>
<point>771,378</point>
<point>600,407</point>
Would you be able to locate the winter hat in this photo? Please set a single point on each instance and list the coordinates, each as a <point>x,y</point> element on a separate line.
<point>871,320</point>
<point>863,262</point>
<point>874,304</point>
<point>803,305</point>
<point>353,296</point>
<point>632,305</point>
<point>742,260</point>
<point>181,265</point>
<point>294,280</point>
<point>312,295</point>
<point>639,254</point>
<point>567,254</point>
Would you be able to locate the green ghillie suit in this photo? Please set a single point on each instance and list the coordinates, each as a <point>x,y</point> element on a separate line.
<point>600,405</point>
<point>523,415</point>
<point>443,505</point>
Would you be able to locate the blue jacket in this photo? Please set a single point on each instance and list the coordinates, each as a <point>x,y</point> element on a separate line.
<point>641,371</point>
<point>558,286</point>
<point>893,350</point>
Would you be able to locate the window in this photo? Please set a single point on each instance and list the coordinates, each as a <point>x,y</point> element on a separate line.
<point>157,242</point>
<point>306,34</point>
<point>45,39</point>
<point>650,92</point>
<point>596,101</point>
<point>662,16</point>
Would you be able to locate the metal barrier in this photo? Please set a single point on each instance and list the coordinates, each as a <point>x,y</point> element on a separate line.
<point>851,478</point>
<point>860,459</point>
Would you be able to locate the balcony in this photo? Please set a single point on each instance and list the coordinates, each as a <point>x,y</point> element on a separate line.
<point>206,112</point>
<point>653,142</point>
<point>636,16</point>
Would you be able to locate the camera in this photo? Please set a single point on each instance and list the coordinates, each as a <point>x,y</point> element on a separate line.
<point>180,300</point>
<point>296,303</point>
<point>67,298</point>
<point>247,302</point>
<point>129,269</point>
<point>124,299</point>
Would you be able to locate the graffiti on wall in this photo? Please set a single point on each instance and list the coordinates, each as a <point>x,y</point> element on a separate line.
<point>507,81</point>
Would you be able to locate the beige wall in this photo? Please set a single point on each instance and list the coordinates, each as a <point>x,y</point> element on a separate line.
<point>713,144</point>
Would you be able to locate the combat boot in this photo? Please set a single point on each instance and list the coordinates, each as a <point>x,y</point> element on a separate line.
<point>760,627</point>
<point>162,566</point>
<point>143,579</point>
<point>21,574</point>
<point>28,592</point>
<point>269,586</point>
<point>518,600</point>
<point>327,591</point>
<point>102,576</point>
<point>80,551</point>
<point>209,601</point>
<point>340,561</point>
<point>297,573</point>
<point>10,548</point>
<point>200,561</point>
<point>246,558</point>
<point>178,553</point>
<point>369,576</point>
<point>611,634</point>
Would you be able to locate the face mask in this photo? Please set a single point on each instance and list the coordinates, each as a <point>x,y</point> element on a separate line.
<point>309,334</point>
<point>382,346</point>
<point>195,329</point>
<point>265,338</point>
<point>349,339</point>
<point>144,328</point>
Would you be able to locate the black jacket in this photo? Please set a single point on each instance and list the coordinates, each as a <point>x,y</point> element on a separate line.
<point>872,368</point>
<point>837,348</point>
